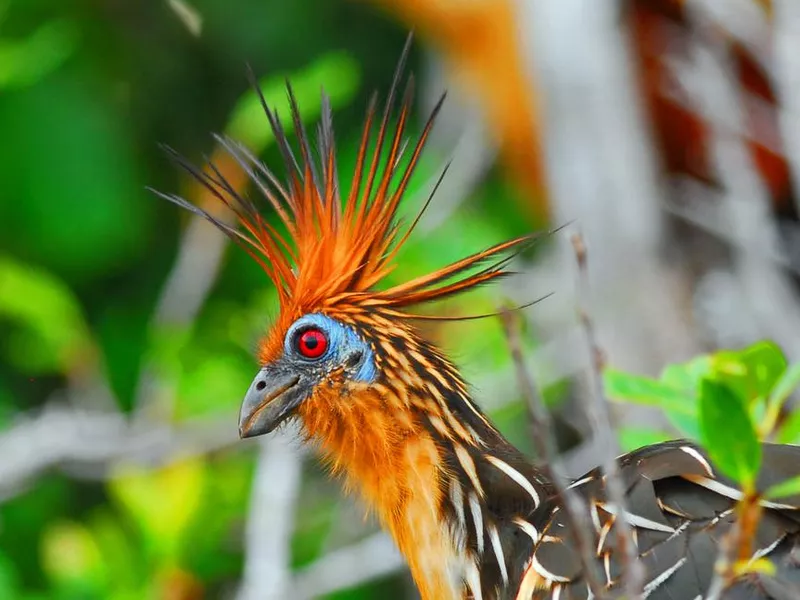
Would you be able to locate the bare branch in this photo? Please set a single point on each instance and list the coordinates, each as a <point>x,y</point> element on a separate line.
<point>722,566</point>
<point>575,509</point>
<point>187,15</point>
<point>90,442</point>
<point>600,418</point>
<point>369,559</point>
<point>270,524</point>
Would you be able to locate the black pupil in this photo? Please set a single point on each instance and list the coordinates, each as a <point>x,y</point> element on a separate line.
<point>311,341</point>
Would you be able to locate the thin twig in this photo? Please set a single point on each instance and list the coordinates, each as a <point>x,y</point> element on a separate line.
<point>600,418</point>
<point>188,15</point>
<point>722,565</point>
<point>575,509</point>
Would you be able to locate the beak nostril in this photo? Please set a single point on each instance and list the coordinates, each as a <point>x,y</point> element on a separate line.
<point>261,385</point>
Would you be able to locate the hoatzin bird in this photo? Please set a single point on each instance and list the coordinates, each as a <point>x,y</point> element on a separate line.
<point>474,518</point>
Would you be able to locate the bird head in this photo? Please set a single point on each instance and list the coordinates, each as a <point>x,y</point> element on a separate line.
<point>338,336</point>
<point>318,355</point>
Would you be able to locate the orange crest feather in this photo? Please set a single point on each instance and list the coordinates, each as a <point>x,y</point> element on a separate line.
<point>337,251</point>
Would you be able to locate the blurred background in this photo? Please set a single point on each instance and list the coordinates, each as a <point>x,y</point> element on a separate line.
<point>666,132</point>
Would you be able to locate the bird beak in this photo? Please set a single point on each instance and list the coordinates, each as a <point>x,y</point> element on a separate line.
<point>267,403</point>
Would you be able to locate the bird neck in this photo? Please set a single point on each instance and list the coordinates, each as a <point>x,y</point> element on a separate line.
<point>442,480</point>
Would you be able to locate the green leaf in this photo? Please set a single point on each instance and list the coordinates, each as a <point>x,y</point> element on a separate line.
<point>789,487</point>
<point>643,390</point>
<point>631,438</point>
<point>751,372</point>
<point>728,433</point>
<point>785,385</point>
<point>336,73</point>
<point>25,62</point>
<point>70,556</point>
<point>226,496</point>
<point>210,383</point>
<point>687,425</point>
<point>124,567</point>
<point>687,376</point>
<point>162,502</point>
<point>51,334</point>
<point>789,432</point>
<point>9,579</point>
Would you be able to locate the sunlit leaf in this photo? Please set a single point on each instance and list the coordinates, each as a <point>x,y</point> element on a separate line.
<point>784,387</point>
<point>687,425</point>
<point>675,393</point>
<point>728,433</point>
<point>50,333</point>
<point>643,390</point>
<point>336,73</point>
<point>789,431</point>
<point>789,487</point>
<point>123,564</point>
<point>631,438</point>
<point>70,555</point>
<point>786,384</point>
<point>227,492</point>
<point>24,62</point>
<point>162,502</point>
<point>753,371</point>
<point>214,382</point>
<point>687,376</point>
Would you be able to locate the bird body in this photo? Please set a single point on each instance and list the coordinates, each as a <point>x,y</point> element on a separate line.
<point>390,413</point>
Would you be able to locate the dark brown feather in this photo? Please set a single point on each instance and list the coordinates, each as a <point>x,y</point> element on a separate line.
<point>678,524</point>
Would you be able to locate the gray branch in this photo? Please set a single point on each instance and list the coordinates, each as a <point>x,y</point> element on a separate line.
<point>367,560</point>
<point>270,524</point>
<point>90,442</point>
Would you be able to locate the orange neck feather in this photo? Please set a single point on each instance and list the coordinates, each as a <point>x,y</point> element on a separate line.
<point>371,437</point>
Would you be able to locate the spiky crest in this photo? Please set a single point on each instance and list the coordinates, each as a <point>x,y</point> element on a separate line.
<point>336,252</point>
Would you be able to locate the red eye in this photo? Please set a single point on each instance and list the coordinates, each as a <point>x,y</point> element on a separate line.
<point>312,343</point>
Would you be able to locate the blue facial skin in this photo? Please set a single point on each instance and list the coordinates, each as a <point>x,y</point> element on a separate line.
<point>345,348</point>
<point>282,385</point>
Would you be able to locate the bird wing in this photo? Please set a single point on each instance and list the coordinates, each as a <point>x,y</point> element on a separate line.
<point>680,509</point>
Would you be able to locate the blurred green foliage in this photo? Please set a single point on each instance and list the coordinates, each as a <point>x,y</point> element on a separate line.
<point>87,92</point>
<point>729,401</point>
